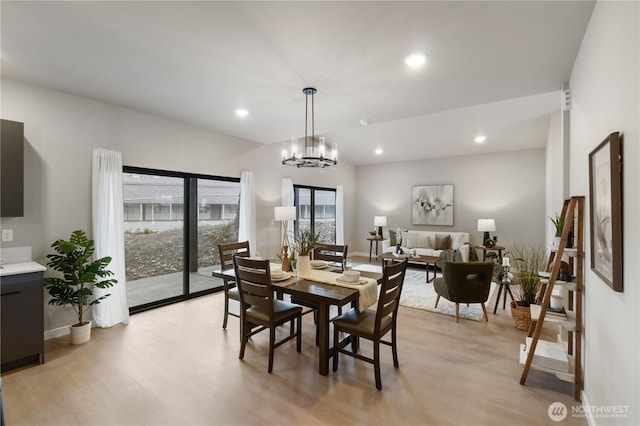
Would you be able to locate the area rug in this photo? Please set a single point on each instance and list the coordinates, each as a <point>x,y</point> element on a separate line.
<point>418,294</point>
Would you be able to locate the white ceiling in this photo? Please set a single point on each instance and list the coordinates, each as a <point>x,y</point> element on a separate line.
<point>495,68</point>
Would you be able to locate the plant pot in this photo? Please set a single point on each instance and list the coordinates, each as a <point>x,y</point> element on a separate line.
<point>303,265</point>
<point>556,241</point>
<point>521,315</point>
<point>80,333</point>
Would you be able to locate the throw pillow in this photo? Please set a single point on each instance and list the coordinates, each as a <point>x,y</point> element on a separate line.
<point>421,241</point>
<point>411,240</point>
<point>392,238</point>
<point>443,241</point>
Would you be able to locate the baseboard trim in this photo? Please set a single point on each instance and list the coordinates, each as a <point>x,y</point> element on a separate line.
<point>56,332</point>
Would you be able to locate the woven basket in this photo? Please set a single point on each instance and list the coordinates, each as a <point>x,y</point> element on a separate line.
<point>521,316</point>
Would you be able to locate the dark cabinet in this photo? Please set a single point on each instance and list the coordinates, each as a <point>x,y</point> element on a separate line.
<point>22,316</point>
<point>11,168</point>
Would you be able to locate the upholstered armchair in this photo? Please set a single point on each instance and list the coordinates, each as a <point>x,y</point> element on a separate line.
<point>465,282</point>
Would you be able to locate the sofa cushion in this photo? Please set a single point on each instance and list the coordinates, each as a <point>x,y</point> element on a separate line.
<point>415,240</point>
<point>458,239</point>
<point>443,241</point>
<point>392,238</point>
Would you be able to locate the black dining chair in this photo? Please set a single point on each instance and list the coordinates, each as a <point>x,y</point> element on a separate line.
<point>226,252</point>
<point>258,307</point>
<point>334,254</point>
<point>372,325</point>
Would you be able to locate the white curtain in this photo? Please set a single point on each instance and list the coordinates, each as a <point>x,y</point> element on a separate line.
<point>108,234</point>
<point>288,198</point>
<point>339,215</point>
<point>247,220</point>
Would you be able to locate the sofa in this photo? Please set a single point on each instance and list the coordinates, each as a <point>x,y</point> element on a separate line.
<point>429,243</point>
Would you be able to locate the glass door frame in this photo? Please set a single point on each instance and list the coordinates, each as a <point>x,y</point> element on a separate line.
<point>190,231</point>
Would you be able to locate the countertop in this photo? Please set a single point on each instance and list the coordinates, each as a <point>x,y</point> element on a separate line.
<point>21,268</point>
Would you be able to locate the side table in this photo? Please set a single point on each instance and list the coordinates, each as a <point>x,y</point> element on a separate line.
<point>371,240</point>
<point>507,289</point>
<point>494,248</point>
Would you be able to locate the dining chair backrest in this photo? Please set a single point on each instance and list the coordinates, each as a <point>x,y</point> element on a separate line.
<point>334,253</point>
<point>228,250</point>
<point>390,291</point>
<point>253,279</point>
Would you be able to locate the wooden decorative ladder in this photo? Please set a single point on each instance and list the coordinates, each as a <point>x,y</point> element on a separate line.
<point>563,360</point>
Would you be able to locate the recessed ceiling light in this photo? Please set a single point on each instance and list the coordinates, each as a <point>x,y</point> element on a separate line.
<point>480,139</point>
<point>415,60</point>
<point>242,112</point>
<point>378,151</point>
<point>364,122</point>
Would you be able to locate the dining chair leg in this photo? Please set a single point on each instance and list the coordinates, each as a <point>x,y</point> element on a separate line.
<point>394,348</point>
<point>272,341</point>
<point>299,336</point>
<point>243,338</point>
<point>376,364</point>
<point>226,310</point>
<point>437,300</point>
<point>336,349</point>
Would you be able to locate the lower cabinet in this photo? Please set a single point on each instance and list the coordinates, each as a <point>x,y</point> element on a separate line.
<point>21,320</point>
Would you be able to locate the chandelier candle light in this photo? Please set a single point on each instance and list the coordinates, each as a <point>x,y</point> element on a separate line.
<point>486,226</point>
<point>314,152</point>
<point>284,214</point>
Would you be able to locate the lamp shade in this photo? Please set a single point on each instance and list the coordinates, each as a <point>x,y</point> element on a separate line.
<point>379,221</point>
<point>284,213</point>
<point>486,225</point>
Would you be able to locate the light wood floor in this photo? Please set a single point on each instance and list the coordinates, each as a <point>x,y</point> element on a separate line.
<point>176,366</point>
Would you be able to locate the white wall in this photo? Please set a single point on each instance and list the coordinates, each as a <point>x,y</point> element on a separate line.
<point>61,130</point>
<point>508,186</point>
<point>605,85</point>
<point>554,174</point>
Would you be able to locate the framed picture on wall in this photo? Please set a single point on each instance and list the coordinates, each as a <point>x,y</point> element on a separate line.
<point>605,193</point>
<point>432,205</point>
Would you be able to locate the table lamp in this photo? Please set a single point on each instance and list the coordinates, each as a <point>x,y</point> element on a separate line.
<point>486,226</point>
<point>284,214</point>
<point>380,221</point>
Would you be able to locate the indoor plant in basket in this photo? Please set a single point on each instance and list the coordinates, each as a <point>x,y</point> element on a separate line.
<point>304,244</point>
<point>528,261</point>
<point>80,275</point>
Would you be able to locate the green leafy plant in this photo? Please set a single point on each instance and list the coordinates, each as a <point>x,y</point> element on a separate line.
<point>558,222</point>
<point>528,260</point>
<point>305,242</point>
<point>79,274</point>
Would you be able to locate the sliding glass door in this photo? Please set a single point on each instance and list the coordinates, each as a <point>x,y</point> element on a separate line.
<point>216,218</point>
<point>173,224</point>
<point>316,210</point>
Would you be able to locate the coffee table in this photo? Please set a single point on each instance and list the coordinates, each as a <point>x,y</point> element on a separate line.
<point>389,257</point>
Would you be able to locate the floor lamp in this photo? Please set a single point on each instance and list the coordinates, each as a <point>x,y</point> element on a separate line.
<point>284,214</point>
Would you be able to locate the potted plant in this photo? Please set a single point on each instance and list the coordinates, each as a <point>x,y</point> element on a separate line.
<point>304,244</point>
<point>558,223</point>
<point>80,275</point>
<point>528,260</point>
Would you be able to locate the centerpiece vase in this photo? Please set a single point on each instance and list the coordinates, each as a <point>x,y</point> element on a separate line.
<point>303,265</point>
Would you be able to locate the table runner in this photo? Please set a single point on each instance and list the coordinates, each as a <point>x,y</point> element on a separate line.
<point>368,291</point>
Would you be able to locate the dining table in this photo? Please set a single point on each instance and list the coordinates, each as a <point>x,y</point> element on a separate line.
<point>322,288</point>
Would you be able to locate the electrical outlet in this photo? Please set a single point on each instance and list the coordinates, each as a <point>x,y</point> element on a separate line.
<point>7,235</point>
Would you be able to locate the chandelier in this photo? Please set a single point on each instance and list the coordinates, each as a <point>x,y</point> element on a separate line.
<point>314,152</point>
